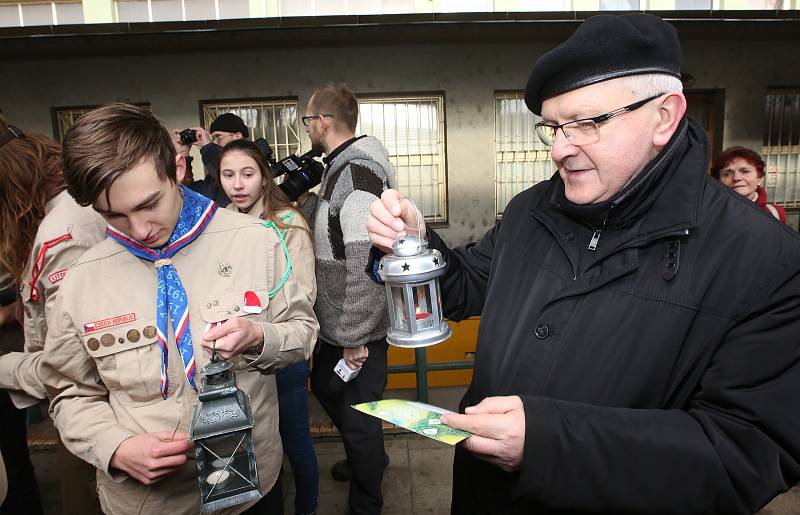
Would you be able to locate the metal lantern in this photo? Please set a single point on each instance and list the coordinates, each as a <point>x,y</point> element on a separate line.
<point>222,432</point>
<point>411,275</point>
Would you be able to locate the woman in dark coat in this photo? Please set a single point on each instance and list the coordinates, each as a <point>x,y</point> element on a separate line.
<point>742,170</point>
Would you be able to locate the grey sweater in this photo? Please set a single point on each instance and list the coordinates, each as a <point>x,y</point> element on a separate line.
<point>351,308</point>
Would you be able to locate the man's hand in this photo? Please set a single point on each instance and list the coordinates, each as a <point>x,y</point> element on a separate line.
<point>497,425</point>
<point>233,337</point>
<point>149,457</point>
<point>180,148</point>
<point>355,357</point>
<point>390,217</point>
<point>203,137</point>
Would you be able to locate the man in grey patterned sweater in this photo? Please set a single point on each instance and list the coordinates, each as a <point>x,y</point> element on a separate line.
<point>350,307</point>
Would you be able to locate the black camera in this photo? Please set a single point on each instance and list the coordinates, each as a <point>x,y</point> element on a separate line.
<point>188,136</point>
<point>302,173</point>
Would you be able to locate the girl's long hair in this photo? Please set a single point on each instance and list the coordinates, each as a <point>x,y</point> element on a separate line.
<point>30,175</point>
<point>274,199</point>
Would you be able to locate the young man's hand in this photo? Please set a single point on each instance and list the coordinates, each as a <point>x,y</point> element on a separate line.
<point>149,457</point>
<point>203,137</point>
<point>233,337</point>
<point>180,148</point>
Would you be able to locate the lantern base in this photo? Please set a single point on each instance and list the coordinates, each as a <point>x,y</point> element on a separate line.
<point>425,339</point>
<point>252,495</point>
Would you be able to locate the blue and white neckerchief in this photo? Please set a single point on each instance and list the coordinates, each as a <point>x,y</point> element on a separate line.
<point>171,298</point>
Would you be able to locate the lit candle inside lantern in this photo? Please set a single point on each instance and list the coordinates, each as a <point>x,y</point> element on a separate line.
<point>421,315</point>
<point>218,477</point>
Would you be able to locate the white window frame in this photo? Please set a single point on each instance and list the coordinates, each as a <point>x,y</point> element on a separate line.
<point>283,142</point>
<point>409,166</point>
<point>521,159</point>
<point>781,155</point>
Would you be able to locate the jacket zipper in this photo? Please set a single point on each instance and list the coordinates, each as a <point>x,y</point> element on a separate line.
<point>596,235</point>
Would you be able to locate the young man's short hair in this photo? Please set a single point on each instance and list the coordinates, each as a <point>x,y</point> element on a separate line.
<point>338,100</point>
<point>109,141</point>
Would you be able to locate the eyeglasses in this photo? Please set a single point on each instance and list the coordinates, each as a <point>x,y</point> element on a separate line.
<point>307,119</point>
<point>217,138</point>
<point>585,131</point>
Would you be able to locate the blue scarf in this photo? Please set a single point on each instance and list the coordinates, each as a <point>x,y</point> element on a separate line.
<point>196,213</point>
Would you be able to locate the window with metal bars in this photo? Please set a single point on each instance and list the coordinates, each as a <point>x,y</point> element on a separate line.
<point>65,117</point>
<point>521,159</point>
<point>27,13</point>
<point>131,11</point>
<point>412,128</point>
<point>275,120</point>
<point>781,149</point>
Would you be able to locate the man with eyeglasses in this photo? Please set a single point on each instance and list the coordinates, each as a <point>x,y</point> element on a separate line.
<point>225,128</point>
<point>640,323</point>
<point>351,308</point>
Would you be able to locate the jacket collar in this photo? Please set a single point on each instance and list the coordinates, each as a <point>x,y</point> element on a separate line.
<point>664,199</point>
<point>338,150</point>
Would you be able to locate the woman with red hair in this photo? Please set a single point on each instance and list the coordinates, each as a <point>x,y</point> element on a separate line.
<point>742,170</point>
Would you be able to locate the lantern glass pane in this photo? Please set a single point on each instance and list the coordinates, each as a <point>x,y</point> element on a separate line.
<point>423,308</point>
<point>226,466</point>
<point>399,317</point>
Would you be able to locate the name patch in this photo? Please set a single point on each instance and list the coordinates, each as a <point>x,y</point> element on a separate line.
<point>109,322</point>
<point>57,276</point>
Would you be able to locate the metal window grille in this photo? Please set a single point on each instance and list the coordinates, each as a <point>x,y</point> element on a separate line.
<point>65,117</point>
<point>178,10</point>
<point>412,128</point>
<point>27,13</point>
<point>274,120</point>
<point>781,149</point>
<point>522,160</point>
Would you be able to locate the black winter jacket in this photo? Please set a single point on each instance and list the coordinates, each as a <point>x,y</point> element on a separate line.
<point>659,373</point>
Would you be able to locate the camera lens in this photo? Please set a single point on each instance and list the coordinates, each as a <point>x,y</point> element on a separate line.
<point>188,136</point>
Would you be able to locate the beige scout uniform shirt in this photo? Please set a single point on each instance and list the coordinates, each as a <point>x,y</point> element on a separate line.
<point>298,242</point>
<point>101,364</point>
<point>66,232</point>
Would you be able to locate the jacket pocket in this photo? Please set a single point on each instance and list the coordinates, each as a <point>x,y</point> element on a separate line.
<point>128,359</point>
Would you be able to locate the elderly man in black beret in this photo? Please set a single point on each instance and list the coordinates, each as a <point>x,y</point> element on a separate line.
<point>640,323</point>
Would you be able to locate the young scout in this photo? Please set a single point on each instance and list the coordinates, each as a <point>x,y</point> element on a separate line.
<point>121,362</point>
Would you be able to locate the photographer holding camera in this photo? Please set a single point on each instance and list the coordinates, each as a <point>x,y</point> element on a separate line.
<point>350,307</point>
<point>225,128</point>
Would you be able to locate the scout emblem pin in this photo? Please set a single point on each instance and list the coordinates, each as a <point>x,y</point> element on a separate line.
<point>252,304</point>
<point>225,269</point>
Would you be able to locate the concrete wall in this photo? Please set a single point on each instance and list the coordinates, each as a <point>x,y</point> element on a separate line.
<point>468,74</point>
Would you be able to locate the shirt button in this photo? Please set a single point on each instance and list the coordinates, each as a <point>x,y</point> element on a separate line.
<point>542,331</point>
<point>569,236</point>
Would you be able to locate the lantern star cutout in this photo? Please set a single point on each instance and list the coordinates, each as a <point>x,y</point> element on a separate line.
<point>436,261</point>
<point>406,267</point>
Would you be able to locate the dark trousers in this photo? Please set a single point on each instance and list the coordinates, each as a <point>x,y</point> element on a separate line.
<point>292,384</point>
<point>23,491</point>
<point>362,434</point>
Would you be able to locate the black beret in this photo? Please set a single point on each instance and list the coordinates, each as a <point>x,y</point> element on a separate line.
<point>229,122</point>
<point>605,47</point>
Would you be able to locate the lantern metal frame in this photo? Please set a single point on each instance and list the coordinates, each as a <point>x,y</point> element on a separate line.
<point>411,275</point>
<point>223,413</point>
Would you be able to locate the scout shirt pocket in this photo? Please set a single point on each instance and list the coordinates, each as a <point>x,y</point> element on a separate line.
<point>128,359</point>
<point>252,304</point>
